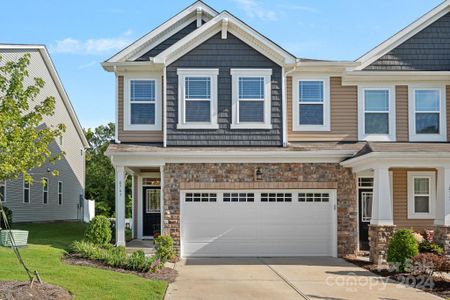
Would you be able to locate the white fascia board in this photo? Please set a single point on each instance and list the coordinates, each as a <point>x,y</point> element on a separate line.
<point>139,159</point>
<point>399,159</point>
<point>243,31</point>
<point>54,74</point>
<point>403,35</point>
<point>131,66</point>
<point>355,77</point>
<point>135,46</point>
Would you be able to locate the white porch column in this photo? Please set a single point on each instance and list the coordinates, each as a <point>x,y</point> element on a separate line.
<point>120,206</point>
<point>442,216</point>
<point>382,202</point>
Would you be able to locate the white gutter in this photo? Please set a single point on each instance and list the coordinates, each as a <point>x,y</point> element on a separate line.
<point>395,155</point>
<point>164,112</point>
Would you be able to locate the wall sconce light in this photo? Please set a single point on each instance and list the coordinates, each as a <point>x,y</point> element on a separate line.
<point>258,175</point>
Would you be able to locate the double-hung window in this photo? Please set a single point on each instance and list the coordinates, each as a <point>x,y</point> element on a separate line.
<point>251,97</point>
<point>142,105</point>
<point>311,104</point>
<point>2,191</point>
<point>421,195</point>
<point>60,192</point>
<point>45,190</point>
<point>197,91</point>
<point>426,115</point>
<point>376,114</point>
<point>26,192</point>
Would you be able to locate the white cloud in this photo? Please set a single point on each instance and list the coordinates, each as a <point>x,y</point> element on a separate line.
<point>91,46</point>
<point>253,9</point>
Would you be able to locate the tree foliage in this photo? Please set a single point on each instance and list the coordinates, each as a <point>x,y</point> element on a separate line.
<point>100,175</point>
<point>24,136</point>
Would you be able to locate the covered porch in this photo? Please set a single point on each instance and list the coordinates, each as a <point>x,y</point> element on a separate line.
<point>401,186</point>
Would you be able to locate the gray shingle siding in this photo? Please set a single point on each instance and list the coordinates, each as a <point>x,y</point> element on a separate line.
<point>428,50</point>
<point>223,54</point>
<point>169,42</point>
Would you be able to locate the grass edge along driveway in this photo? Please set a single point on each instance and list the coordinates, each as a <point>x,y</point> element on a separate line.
<point>46,246</point>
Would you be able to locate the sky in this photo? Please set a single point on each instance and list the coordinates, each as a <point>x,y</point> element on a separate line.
<point>81,34</point>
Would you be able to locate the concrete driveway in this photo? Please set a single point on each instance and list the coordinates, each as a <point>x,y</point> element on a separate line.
<point>283,278</point>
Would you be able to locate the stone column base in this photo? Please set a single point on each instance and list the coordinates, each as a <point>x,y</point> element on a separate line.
<point>442,236</point>
<point>379,237</point>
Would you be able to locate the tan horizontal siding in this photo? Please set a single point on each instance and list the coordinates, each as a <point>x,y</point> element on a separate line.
<point>133,135</point>
<point>401,110</point>
<point>344,114</point>
<point>400,200</point>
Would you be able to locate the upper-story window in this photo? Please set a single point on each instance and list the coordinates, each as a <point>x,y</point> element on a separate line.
<point>311,104</point>
<point>45,190</point>
<point>142,104</point>
<point>26,192</point>
<point>376,114</point>
<point>251,96</point>
<point>2,191</point>
<point>426,114</point>
<point>197,91</point>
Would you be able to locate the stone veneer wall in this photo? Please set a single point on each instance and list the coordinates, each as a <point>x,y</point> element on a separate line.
<point>175,174</point>
<point>379,237</point>
<point>442,236</point>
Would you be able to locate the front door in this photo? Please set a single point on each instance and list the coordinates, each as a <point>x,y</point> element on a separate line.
<point>152,211</point>
<point>365,214</point>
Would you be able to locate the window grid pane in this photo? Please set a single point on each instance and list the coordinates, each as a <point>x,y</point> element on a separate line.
<point>313,197</point>
<point>427,100</point>
<point>311,114</point>
<point>197,87</point>
<point>376,123</point>
<point>251,88</point>
<point>142,113</point>
<point>198,111</point>
<point>142,90</point>
<point>376,100</point>
<point>251,111</point>
<point>2,191</point>
<point>310,91</point>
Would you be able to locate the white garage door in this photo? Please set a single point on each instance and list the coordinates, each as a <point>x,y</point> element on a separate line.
<point>258,223</point>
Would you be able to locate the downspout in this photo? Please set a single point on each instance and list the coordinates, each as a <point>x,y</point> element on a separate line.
<point>284,105</point>
<point>164,112</point>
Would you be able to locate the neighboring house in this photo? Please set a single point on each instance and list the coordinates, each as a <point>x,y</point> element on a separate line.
<point>238,148</point>
<point>60,198</point>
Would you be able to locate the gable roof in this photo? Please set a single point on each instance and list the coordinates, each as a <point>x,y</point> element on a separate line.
<point>403,35</point>
<point>54,75</point>
<point>226,22</point>
<point>164,31</point>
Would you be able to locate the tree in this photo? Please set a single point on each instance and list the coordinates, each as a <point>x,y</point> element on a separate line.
<point>24,136</point>
<point>100,175</point>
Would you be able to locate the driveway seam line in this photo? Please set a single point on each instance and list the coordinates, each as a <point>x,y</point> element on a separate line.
<point>284,279</point>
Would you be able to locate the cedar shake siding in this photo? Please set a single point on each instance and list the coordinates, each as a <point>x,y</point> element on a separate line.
<point>344,114</point>
<point>142,136</point>
<point>428,50</point>
<point>168,42</point>
<point>401,111</point>
<point>400,200</point>
<point>223,54</point>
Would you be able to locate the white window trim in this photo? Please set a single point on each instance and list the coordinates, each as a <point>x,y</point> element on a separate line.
<point>182,74</point>
<point>43,190</point>
<point>411,213</point>
<point>235,75</point>
<point>4,193</point>
<point>442,135</point>
<point>127,102</point>
<point>296,126</point>
<point>392,135</point>
<point>29,192</point>
<point>61,193</point>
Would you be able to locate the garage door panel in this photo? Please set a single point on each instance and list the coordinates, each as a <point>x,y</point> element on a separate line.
<point>287,226</point>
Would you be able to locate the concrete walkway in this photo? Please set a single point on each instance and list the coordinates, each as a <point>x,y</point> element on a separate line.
<point>283,278</point>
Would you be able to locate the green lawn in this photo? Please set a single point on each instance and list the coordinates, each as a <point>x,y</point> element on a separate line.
<point>46,247</point>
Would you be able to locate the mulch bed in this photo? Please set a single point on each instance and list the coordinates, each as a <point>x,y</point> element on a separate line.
<point>441,285</point>
<point>16,290</point>
<point>165,274</point>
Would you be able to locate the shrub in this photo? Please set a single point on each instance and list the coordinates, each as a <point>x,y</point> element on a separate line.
<point>99,231</point>
<point>137,261</point>
<point>428,263</point>
<point>8,214</point>
<point>86,249</point>
<point>402,248</point>
<point>116,257</point>
<point>431,247</point>
<point>164,248</point>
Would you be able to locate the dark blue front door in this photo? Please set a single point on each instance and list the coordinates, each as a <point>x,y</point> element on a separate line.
<point>152,211</point>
